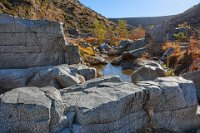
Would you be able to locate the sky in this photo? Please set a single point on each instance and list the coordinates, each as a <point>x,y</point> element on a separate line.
<point>139,8</point>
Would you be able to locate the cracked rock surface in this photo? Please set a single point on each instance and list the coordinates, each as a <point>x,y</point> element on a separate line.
<point>32,109</point>
<point>167,104</point>
<point>28,43</point>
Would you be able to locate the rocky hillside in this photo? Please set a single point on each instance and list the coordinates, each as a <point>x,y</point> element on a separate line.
<point>72,13</point>
<point>144,21</point>
<point>191,17</point>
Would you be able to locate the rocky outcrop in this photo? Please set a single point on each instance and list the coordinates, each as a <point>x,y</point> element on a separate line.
<point>103,105</point>
<point>28,43</point>
<point>195,77</point>
<point>156,37</point>
<point>57,76</point>
<point>127,45</point>
<point>148,72</point>
<point>31,54</point>
<point>134,54</point>
<point>166,104</point>
<point>31,109</point>
<point>136,64</point>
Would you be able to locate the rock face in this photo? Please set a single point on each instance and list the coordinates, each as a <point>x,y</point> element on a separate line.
<point>103,105</point>
<point>72,55</point>
<point>148,72</point>
<point>32,110</point>
<point>28,43</point>
<point>31,54</point>
<point>195,77</point>
<point>164,104</point>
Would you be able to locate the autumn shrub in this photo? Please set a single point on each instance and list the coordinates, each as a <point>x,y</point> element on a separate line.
<point>175,45</point>
<point>137,33</point>
<point>185,60</point>
<point>194,49</point>
<point>90,40</point>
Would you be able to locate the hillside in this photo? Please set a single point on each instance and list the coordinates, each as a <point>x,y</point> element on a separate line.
<point>191,17</point>
<point>72,13</point>
<point>144,21</point>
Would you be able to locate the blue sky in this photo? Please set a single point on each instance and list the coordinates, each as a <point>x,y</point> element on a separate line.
<point>139,8</point>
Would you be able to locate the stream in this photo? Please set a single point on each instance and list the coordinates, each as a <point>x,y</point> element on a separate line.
<point>109,69</point>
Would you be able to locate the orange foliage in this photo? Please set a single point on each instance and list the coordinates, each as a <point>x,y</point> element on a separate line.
<point>195,54</point>
<point>195,65</point>
<point>88,50</point>
<point>137,33</point>
<point>175,45</point>
<point>189,57</point>
<point>90,40</point>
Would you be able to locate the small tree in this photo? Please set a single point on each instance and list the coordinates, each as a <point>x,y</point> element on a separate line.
<point>121,29</point>
<point>100,31</point>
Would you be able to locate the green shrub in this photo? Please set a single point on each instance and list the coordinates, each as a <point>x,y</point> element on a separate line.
<point>100,31</point>
<point>121,29</point>
<point>180,37</point>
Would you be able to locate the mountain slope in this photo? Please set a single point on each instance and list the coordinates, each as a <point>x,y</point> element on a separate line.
<point>72,13</point>
<point>191,17</point>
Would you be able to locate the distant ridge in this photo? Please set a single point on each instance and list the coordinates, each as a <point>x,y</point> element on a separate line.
<point>144,21</point>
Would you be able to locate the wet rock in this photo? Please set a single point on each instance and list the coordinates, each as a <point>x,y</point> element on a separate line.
<point>148,72</point>
<point>32,109</point>
<point>195,77</point>
<point>72,55</point>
